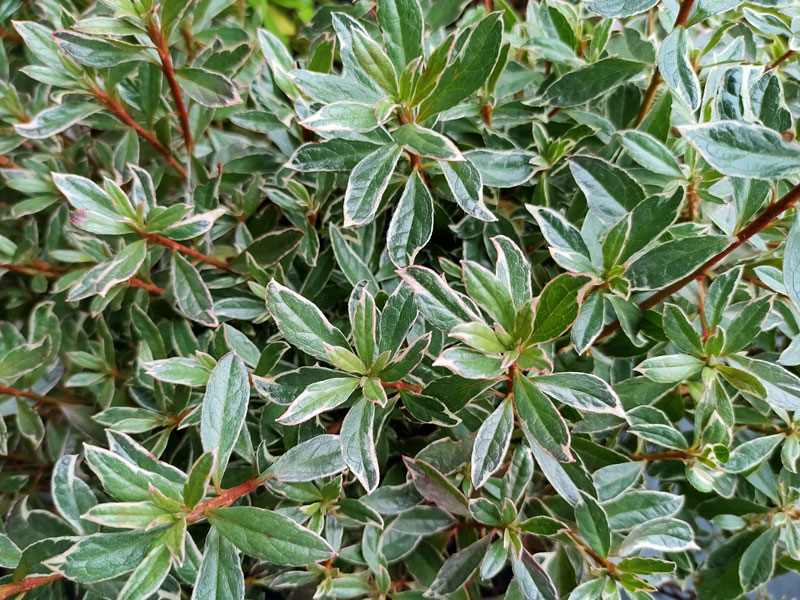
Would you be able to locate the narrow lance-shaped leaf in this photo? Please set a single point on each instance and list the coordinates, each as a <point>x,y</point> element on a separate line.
<point>270,536</point>
<point>411,226</point>
<point>366,185</point>
<point>224,409</point>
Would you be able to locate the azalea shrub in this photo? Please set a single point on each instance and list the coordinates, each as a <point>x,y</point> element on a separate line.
<point>399,299</point>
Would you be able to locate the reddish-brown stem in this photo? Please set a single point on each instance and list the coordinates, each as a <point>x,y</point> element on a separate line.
<point>781,59</point>
<point>401,385</point>
<point>26,585</point>
<point>226,498</point>
<point>162,48</point>
<point>761,222</point>
<point>683,13</point>
<point>649,96</point>
<point>701,308</point>
<point>173,245</point>
<point>671,455</point>
<point>40,398</point>
<point>656,79</point>
<point>146,286</point>
<point>187,39</point>
<point>49,271</point>
<point>554,112</point>
<point>486,114</point>
<point>123,115</point>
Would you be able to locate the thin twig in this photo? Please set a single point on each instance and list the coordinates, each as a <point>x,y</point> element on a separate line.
<point>157,37</point>
<point>763,221</point>
<point>173,245</point>
<point>781,59</point>
<point>123,115</point>
<point>26,585</point>
<point>655,81</point>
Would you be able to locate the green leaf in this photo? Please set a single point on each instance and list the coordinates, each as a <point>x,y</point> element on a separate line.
<point>437,301</point>
<point>681,332</point>
<point>459,569</point>
<point>469,70</point>
<point>503,168</point>
<point>435,487</point>
<point>650,152</point>
<point>374,61</point>
<point>646,566</point>
<point>129,515</point>
<point>97,52</point>
<point>39,40</point>
<point>743,149</point>
<point>557,307</point>
<point>783,387</point>
<point>589,324</point>
<point>207,88</point>
<point>758,561</point>
<point>593,524</point>
<point>540,419</point>
<point>9,553</point>
<point>125,480</point>
<point>490,294</point>
<point>588,82</point>
<point>426,142</point>
<point>122,267</point>
<point>470,364</point>
<point>56,119</point>
<point>791,262</point>
<point>318,398</point>
<point>513,269</point>
<point>337,154</point>
<point>220,574</point>
<point>566,243</point>
<point>224,409</point>
<point>71,496</point>
<point>191,293</point>
<point>351,264</point>
<point>749,455</point>
<point>491,443</point>
<point>104,556</point>
<point>268,535</point>
<point>85,195</point>
<point>663,535</point>
<point>301,323</point>
<point>186,371</point>
<point>343,116</point>
<point>148,575</point>
<point>23,359</point>
<point>671,368</point>
<point>672,260</point>
<point>29,423</point>
<point>620,8</point>
<point>533,581</point>
<point>748,324</point>
<point>466,185</point>
<point>582,391</point>
<point>358,444</point>
<point>367,182</point>
<point>648,220</point>
<point>676,68</point>
<point>610,191</point>
<point>401,24</point>
<point>312,459</point>
<point>633,508</point>
<point>411,225</point>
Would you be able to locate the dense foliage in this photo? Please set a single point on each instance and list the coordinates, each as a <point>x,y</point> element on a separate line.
<point>399,298</point>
